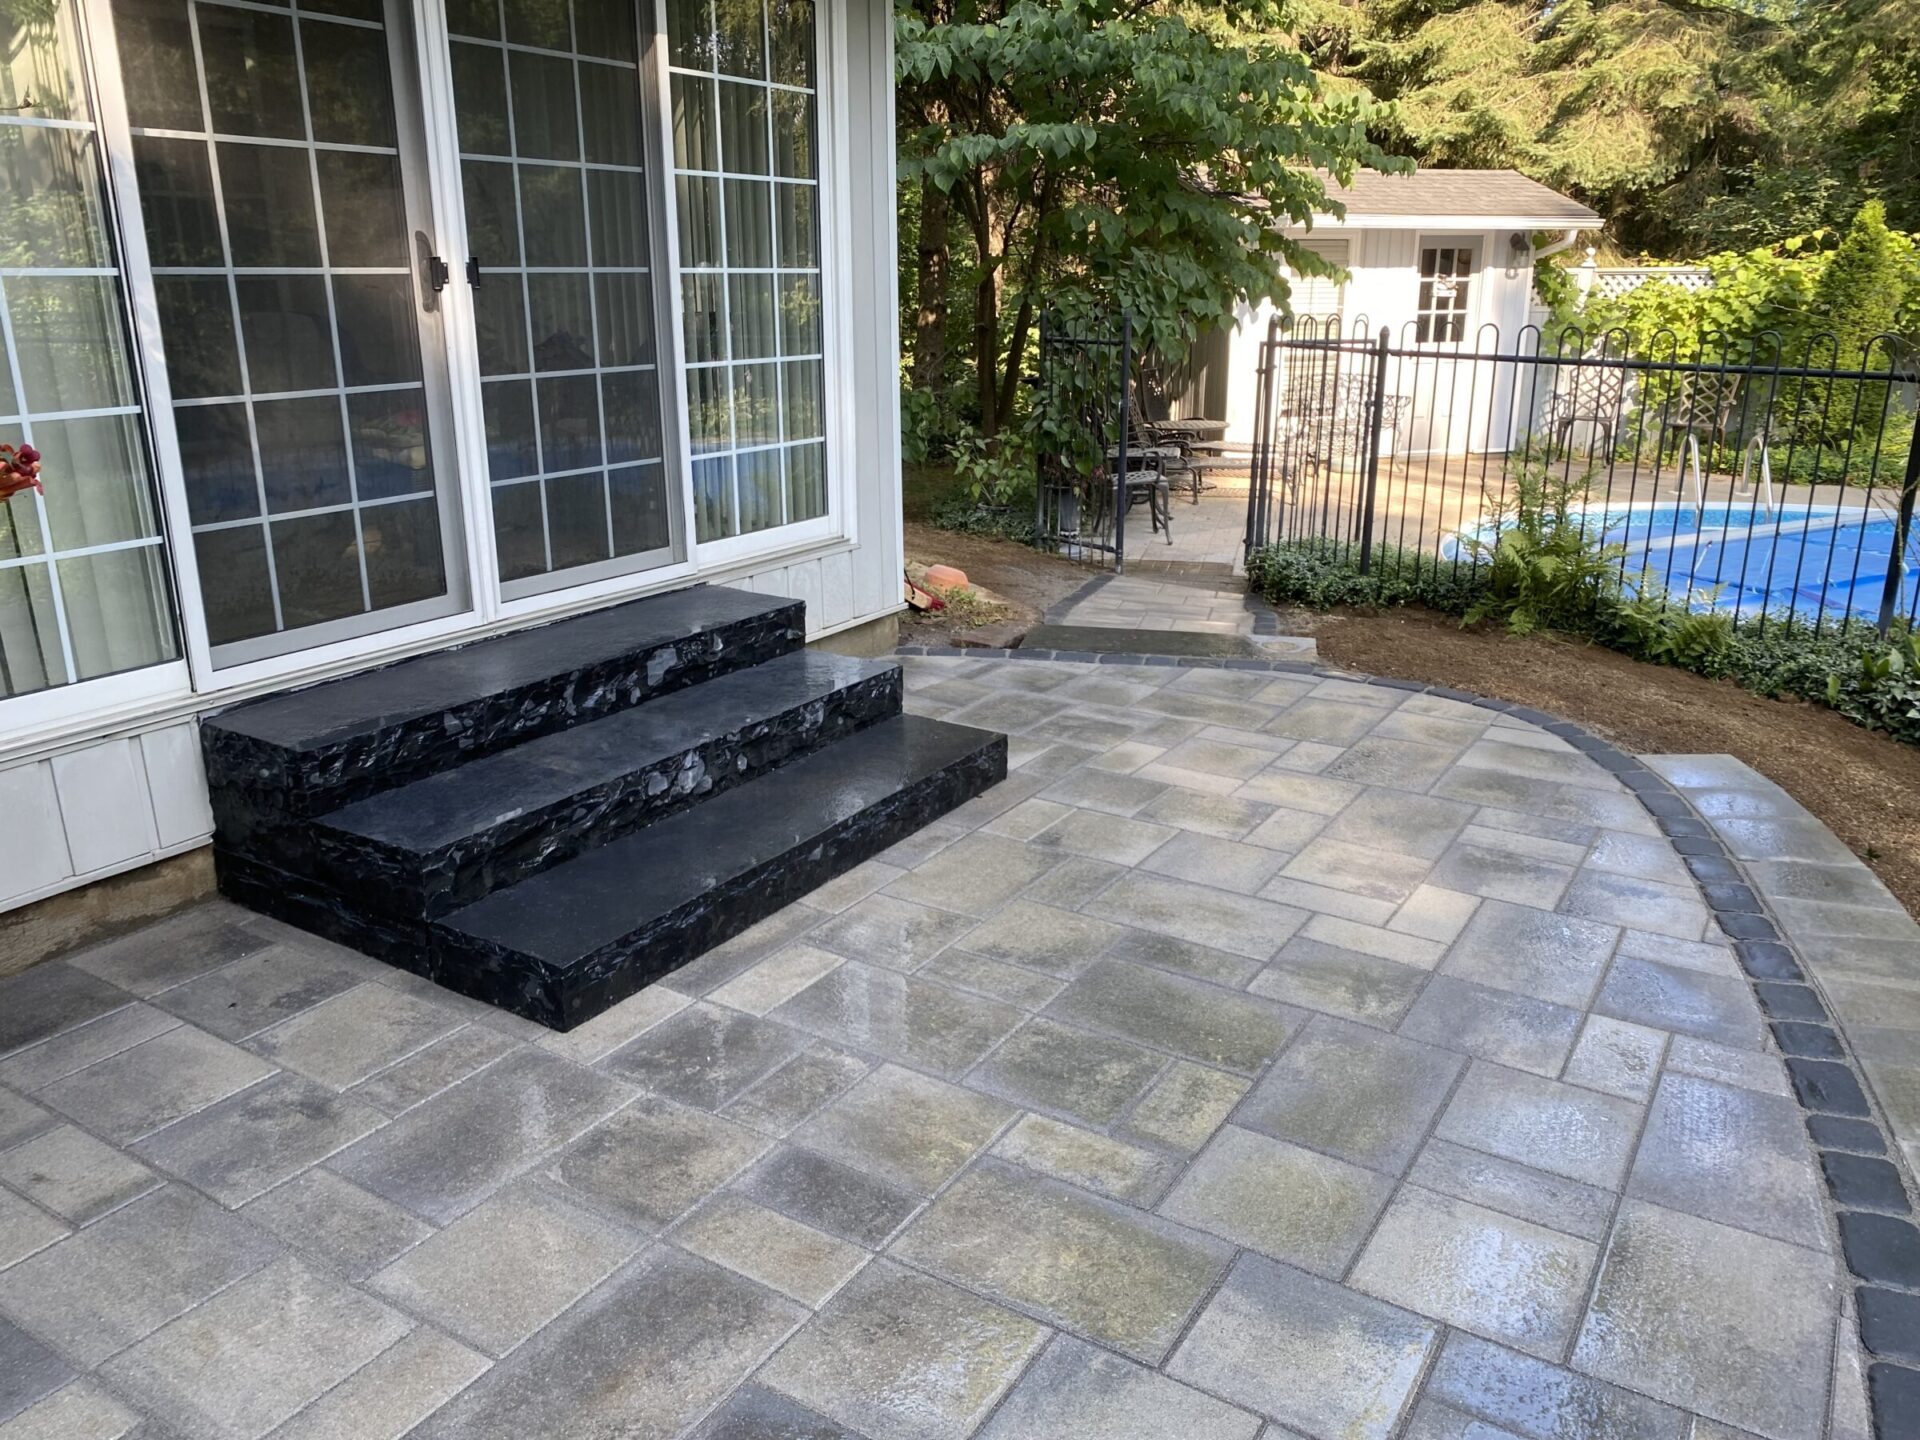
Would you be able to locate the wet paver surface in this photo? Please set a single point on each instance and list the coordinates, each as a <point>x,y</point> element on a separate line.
<point>1269,1056</point>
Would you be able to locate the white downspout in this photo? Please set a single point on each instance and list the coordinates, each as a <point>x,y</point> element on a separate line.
<point>1557,246</point>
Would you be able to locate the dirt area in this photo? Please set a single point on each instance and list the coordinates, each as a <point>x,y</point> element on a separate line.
<point>1865,786</point>
<point>1022,585</point>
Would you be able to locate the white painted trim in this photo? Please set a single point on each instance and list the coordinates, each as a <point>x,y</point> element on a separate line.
<point>1441,222</point>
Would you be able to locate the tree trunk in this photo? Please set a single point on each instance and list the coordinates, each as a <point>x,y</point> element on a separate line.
<point>935,272</point>
<point>986,320</point>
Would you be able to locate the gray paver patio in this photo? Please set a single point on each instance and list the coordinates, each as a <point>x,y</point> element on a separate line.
<point>1269,1057</point>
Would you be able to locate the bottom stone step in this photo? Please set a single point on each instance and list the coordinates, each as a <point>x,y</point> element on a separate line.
<point>564,945</point>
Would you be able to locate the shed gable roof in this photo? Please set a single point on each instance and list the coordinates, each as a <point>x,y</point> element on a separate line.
<point>1505,194</point>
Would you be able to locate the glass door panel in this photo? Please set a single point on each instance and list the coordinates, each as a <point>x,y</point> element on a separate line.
<point>746,193</point>
<point>276,150</point>
<point>556,176</point>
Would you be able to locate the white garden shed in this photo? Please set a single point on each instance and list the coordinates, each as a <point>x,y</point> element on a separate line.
<point>1433,257</point>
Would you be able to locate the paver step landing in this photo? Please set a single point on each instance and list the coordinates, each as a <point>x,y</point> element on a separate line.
<point>552,819</point>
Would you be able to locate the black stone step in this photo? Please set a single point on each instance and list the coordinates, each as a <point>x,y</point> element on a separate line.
<point>299,754</point>
<point>567,943</point>
<point>450,839</point>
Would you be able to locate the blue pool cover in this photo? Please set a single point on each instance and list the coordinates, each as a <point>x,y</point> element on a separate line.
<point>1822,561</point>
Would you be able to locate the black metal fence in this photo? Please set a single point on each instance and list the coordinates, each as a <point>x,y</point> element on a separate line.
<point>1083,402</point>
<point>1736,475</point>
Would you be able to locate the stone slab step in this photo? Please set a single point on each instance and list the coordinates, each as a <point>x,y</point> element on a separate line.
<point>453,838</point>
<point>300,753</point>
<point>569,942</point>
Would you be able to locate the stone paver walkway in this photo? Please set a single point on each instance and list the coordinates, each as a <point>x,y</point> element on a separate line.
<point>1212,532</point>
<point>1269,1056</point>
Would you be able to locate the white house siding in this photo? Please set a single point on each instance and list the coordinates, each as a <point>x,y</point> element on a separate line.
<point>91,806</point>
<point>1383,291</point>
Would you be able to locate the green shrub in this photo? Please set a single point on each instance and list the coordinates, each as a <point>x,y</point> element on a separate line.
<point>1871,681</point>
<point>1542,569</point>
<point>995,493</point>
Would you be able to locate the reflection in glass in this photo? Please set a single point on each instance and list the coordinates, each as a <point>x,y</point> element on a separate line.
<point>756,405</point>
<point>176,198</point>
<point>51,214</point>
<point>760,490</point>
<point>637,495</point>
<point>749,257</point>
<point>117,610</point>
<point>269,200</point>
<point>303,453</point>
<point>316,563</point>
<point>406,556</point>
<point>749,225</point>
<point>625,306</point>
<point>378,342</point>
<point>196,323</point>
<point>216,451</point>
<point>156,49</point>
<point>713,511</point>
<point>236,588</point>
<point>512,446</point>
<point>806,482</point>
<point>577,519</point>
<point>519,530</point>
<point>561,310</point>
<point>365,207</point>
<point>618,200</point>
<point>288,332</point>
<point>67,333</point>
<point>388,433</point>
<point>252,77</point>
<point>347,84</point>
<point>630,401</point>
<point>102,497</point>
<point>569,423</point>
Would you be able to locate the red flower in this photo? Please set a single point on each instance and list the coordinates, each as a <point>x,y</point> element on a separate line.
<point>19,470</point>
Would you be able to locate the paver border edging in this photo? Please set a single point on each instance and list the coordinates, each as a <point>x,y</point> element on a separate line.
<point>1879,1240</point>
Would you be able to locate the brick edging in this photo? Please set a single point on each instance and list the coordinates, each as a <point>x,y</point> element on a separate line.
<point>1879,1239</point>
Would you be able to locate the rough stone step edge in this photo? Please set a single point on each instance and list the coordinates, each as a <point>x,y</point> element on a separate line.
<point>1880,1246</point>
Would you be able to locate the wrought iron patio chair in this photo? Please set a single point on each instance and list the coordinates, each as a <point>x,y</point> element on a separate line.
<point>1592,394</point>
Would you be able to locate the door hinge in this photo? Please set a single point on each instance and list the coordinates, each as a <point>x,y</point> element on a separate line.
<point>473,271</point>
<point>437,273</point>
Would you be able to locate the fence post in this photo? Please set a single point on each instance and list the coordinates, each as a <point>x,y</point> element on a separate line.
<point>1042,399</point>
<point>1126,425</point>
<point>1259,463</point>
<point>1376,420</point>
<point>1902,534</point>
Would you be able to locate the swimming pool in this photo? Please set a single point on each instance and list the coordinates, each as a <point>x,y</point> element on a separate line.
<point>1813,560</point>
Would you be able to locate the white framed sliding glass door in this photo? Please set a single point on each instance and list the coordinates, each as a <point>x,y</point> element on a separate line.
<point>744,114</point>
<point>562,203</point>
<point>280,182</point>
<point>86,604</point>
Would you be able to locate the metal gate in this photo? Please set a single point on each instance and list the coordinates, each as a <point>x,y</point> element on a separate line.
<point>1083,405</point>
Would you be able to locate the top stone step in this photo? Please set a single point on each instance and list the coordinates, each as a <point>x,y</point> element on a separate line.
<point>304,752</point>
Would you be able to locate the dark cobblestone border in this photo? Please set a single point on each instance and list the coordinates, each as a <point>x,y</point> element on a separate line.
<point>1872,1210</point>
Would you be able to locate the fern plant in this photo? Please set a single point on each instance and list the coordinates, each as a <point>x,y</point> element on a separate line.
<point>1542,566</point>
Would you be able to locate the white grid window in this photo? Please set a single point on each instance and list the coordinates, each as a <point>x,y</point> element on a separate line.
<point>548,104</point>
<point>267,149</point>
<point>83,589</point>
<point>746,197</point>
<point>1445,277</point>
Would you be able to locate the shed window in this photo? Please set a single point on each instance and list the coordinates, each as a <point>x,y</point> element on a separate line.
<point>1445,272</point>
